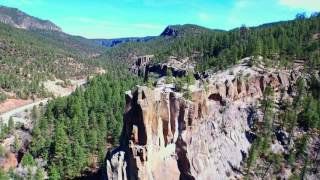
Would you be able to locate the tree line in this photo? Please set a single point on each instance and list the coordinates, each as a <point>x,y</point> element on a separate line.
<point>73,134</point>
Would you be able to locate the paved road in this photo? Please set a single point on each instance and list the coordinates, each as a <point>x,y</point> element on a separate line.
<point>18,113</point>
<point>14,113</point>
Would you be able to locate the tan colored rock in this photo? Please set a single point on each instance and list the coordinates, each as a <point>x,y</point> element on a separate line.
<point>9,162</point>
<point>284,79</point>
<point>168,137</point>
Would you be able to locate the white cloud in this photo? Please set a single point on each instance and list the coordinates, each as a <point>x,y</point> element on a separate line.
<point>308,5</point>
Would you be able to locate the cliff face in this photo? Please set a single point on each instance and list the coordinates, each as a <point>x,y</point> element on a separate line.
<point>167,136</point>
<point>21,20</point>
<point>183,30</point>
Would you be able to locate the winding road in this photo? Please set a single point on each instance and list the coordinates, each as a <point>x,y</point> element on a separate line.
<point>15,112</point>
<point>18,113</point>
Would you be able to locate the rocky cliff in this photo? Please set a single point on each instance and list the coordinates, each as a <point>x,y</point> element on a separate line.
<point>205,137</point>
<point>21,20</point>
<point>183,30</point>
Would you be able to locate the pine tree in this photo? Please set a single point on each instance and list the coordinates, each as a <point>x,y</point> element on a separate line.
<point>40,174</point>
<point>92,140</point>
<point>69,164</point>
<point>27,160</point>
<point>75,126</point>
<point>54,173</point>
<point>80,156</point>
<point>69,150</point>
<point>82,139</point>
<point>34,113</point>
<point>267,106</point>
<point>60,143</point>
<point>101,155</point>
<point>10,125</point>
<point>16,143</point>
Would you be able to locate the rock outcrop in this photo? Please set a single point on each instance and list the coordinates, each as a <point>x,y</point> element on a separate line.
<point>183,30</point>
<point>179,67</point>
<point>139,64</point>
<point>10,161</point>
<point>168,136</point>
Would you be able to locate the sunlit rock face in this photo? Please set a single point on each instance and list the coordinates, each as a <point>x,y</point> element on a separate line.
<point>166,136</point>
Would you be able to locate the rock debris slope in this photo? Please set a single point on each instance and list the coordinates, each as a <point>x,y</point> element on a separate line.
<point>166,136</point>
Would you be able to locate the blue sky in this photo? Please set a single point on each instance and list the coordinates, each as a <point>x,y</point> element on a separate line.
<point>134,18</point>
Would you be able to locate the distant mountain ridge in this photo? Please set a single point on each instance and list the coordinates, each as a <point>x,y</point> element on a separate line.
<point>47,31</point>
<point>117,41</point>
<point>169,31</point>
<point>18,19</point>
<point>33,51</point>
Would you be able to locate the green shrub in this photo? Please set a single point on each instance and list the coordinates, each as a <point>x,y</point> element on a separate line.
<point>27,160</point>
<point>187,94</point>
<point>3,97</point>
<point>179,84</point>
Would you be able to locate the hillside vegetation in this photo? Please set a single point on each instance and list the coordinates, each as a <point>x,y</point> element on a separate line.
<point>72,134</point>
<point>283,42</point>
<point>74,131</point>
<point>29,57</point>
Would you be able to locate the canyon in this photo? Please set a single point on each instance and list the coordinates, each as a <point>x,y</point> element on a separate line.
<point>207,136</point>
<point>203,103</point>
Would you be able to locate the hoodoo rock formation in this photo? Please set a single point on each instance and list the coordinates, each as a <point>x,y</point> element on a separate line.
<point>166,136</point>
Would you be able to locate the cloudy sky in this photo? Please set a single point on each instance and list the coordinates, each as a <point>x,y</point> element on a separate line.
<point>135,18</point>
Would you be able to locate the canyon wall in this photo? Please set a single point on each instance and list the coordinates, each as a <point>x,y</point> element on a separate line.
<point>166,136</point>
